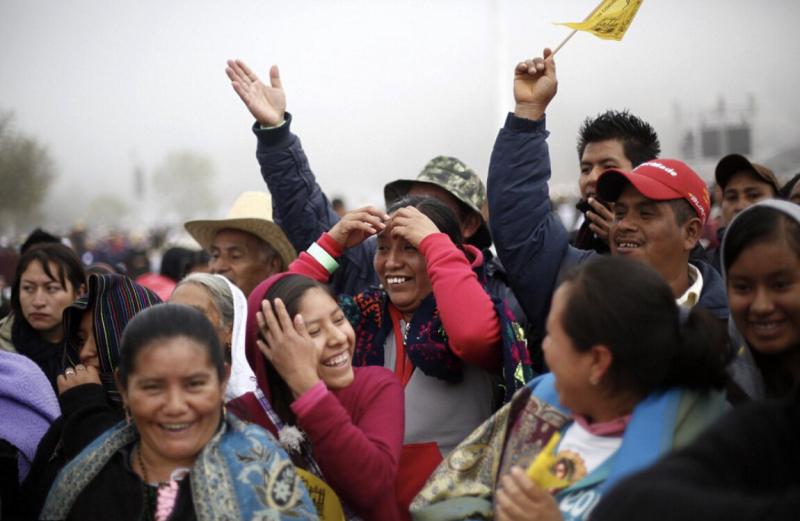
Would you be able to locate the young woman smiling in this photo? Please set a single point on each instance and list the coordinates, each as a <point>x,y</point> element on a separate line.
<point>431,323</point>
<point>300,346</point>
<point>761,260</point>
<point>632,376</point>
<point>177,457</point>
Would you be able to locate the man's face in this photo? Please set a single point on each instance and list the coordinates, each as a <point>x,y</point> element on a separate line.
<point>241,258</point>
<point>599,156</point>
<point>742,191</point>
<point>646,230</point>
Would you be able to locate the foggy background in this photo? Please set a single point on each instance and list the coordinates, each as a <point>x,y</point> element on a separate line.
<point>376,88</point>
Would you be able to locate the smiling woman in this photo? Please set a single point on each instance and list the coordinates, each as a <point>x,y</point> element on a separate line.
<point>761,259</point>
<point>177,456</point>
<point>431,322</point>
<point>343,426</point>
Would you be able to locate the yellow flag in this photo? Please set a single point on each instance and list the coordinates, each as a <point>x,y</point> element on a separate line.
<point>329,508</point>
<point>609,20</point>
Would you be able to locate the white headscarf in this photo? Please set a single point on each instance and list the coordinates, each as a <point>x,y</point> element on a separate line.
<point>242,379</point>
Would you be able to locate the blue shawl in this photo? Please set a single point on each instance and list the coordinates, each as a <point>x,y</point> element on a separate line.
<point>241,473</point>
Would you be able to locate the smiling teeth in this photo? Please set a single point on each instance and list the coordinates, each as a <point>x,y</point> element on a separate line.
<point>767,326</point>
<point>628,245</point>
<point>337,360</point>
<point>396,280</point>
<point>175,426</point>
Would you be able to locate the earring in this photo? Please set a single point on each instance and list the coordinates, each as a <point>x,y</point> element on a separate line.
<point>593,380</point>
<point>127,411</point>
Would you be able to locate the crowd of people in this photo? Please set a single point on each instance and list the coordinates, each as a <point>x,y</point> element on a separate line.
<point>460,355</point>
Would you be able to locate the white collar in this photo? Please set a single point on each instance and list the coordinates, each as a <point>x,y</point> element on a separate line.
<point>692,293</point>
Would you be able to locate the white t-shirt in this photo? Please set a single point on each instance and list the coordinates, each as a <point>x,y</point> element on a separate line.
<point>581,452</point>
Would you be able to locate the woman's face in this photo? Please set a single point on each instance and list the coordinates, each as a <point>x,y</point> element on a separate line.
<point>571,368</point>
<point>196,296</point>
<point>333,336</point>
<point>764,296</point>
<point>87,347</point>
<point>175,399</point>
<point>42,300</point>
<point>403,272</point>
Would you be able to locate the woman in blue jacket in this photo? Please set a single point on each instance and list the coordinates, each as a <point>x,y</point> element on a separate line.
<point>632,377</point>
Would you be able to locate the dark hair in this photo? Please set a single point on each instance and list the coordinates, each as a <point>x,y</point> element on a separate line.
<point>639,140</point>
<point>786,191</point>
<point>683,210</point>
<point>438,212</point>
<point>163,322</point>
<point>68,265</point>
<point>757,225</point>
<point>627,307</point>
<point>290,289</point>
<point>36,237</point>
<point>175,262</point>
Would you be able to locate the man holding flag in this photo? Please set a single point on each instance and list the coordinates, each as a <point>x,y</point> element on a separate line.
<point>658,217</point>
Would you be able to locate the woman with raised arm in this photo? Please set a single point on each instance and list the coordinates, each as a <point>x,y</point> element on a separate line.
<point>177,456</point>
<point>633,376</point>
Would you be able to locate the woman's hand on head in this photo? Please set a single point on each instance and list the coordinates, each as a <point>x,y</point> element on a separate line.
<point>518,499</point>
<point>412,225</point>
<point>358,225</point>
<point>288,346</point>
<point>79,375</point>
<point>266,103</point>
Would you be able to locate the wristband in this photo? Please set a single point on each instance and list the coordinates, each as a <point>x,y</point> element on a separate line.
<point>323,257</point>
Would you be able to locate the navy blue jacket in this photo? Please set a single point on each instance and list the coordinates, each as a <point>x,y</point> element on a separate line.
<point>303,211</point>
<point>530,239</point>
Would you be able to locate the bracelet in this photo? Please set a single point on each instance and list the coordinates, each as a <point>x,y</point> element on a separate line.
<point>323,257</point>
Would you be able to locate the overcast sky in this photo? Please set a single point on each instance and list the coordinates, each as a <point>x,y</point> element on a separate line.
<point>376,87</point>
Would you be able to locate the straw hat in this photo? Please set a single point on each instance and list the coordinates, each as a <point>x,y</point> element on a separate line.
<point>251,213</point>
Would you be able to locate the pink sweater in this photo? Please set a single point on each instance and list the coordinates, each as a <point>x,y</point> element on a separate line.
<point>356,435</point>
<point>467,312</point>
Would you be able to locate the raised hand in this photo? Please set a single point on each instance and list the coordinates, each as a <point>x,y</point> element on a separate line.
<point>288,346</point>
<point>357,225</point>
<point>266,104</point>
<point>535,85</point>
<point>79,375</point>
<point>518,499</point>
<point>412,225</point>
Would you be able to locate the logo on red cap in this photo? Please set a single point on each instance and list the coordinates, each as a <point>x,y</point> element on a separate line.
<point>682,180</point>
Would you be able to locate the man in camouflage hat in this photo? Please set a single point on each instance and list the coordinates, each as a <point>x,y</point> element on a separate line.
<point>455,184</point>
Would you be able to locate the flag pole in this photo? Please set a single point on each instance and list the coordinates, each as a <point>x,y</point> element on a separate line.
<point>565,40</point>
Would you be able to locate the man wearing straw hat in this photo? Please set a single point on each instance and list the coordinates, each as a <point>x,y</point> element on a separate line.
<point>246,246</point>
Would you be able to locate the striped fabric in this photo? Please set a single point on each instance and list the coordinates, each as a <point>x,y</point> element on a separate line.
<point>113,301</point>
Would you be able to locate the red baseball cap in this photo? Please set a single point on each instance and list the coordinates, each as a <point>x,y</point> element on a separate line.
<point>659,180</point>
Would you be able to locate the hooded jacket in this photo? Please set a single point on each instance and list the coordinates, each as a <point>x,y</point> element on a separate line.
<point>744,368</point>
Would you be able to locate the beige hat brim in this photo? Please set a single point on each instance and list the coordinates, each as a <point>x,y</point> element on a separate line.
<point>204,232</point>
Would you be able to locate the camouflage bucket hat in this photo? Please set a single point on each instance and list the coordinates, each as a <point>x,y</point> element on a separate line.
<point>459,180</point>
